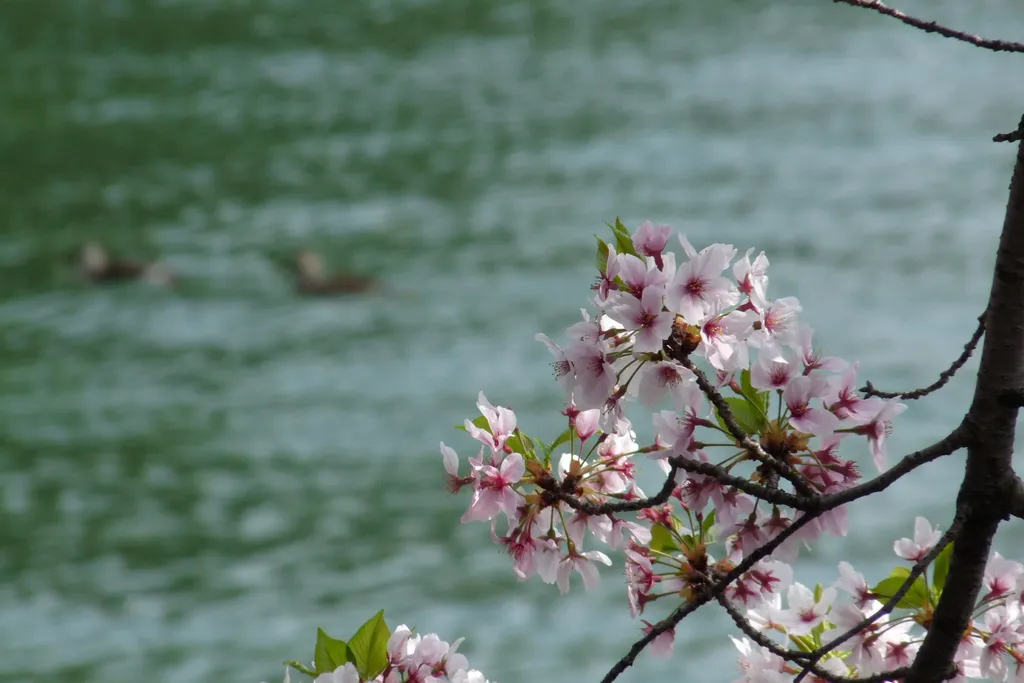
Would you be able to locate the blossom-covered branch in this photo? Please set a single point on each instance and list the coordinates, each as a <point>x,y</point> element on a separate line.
<point>917,570</point>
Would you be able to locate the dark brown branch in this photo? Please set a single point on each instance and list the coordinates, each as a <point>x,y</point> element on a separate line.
<point>944,377</point>
<point>621,506</point>
<point>1014,136</point>
<point>989,484</point>
<point>751,445</point>
<point>954,441</point>
<point>1017,501</point>
<point>790,655</point>
<point>917,570</point>
<point>706,596</point>
<point>770,495</point>
<point>934,27</point>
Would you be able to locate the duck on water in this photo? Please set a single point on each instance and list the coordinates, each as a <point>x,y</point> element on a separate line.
<point>98,266</point>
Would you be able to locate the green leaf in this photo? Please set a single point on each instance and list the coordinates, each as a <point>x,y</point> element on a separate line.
<point>369,647</point>
<point>330,653</point>
<point>941,568</point>
<point>480,422</point>
<point>622,238</point>
<point>564,437</point>
<point>747,416</point>
<point>520,445</point>
<point>915,598</point>
<point>300,668</point>
<point>544,448</point>
<point>662,539</point>
<point>757,398</point>
<point>602,256</point>
<point>709,522</point>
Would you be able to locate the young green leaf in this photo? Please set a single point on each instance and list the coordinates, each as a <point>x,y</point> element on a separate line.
<point>623,240</point>
<point>915,598</point>
<point>757,398</point>
<point>330,653</point>
<point>940,569</point>
<point>564,437</point>
<point>480,422</point>
<point>747,416</point>
<point>662,539</point>
<point>369,647</point>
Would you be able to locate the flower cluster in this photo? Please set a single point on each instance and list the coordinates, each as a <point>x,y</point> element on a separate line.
<point>653,320</point>
<point>752,401</point>
<point>378,655</point>
<point>413,659</point>
<point>992,647</point>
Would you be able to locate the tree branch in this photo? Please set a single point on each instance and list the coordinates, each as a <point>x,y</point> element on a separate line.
<point>944,376</point>
<point>990,484</point>
<point>934,27</point>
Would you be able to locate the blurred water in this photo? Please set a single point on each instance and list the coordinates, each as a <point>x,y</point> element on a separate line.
<point>193,483</point>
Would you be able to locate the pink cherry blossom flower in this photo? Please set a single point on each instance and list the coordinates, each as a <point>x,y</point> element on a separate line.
<point>607,283</point>
<point>721,340</point>
<point>661,646</point>
<point>493,492</point>
<point>1001,623</point>
<point>769,374</point>
<point>853,583</point>
<point>658,378</point>
<point>562,367</point>
<point>595,378</point>
<point>583,563</point>
<point>640,275</point>
<point>346,673</point>
<point>586,423</point>
<point>779,327</point>
<point>653,325</point>
<point>451,466</point>
<point>811,357</point>
<point>650,240</point>
<point>843,398</point>
<point>698,285</point>
<point>878,427</point>
<point>759,664</point>
<point>753,278</point>
<point>925,538</point>
<point>1001,576</point>
<point>798,394</point>
<point>804,613</point>
<point>502,423</point>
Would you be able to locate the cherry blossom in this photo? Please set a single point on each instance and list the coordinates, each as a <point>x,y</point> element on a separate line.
<point>925,537</point>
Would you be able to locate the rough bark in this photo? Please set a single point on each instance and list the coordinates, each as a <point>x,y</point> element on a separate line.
<point>989,490</point>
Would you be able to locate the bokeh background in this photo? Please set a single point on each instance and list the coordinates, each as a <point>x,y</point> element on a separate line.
<point>192,482</point>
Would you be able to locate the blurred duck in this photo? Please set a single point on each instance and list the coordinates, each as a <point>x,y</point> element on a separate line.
<point>98,266</point>
<point>313,280</point>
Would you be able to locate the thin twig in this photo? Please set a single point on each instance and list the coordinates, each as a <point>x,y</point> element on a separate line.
<point>790,655</point>
<point>944,377</point>
<point>934,27</point>
<point>622,506</point>
<point>917,570</point>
